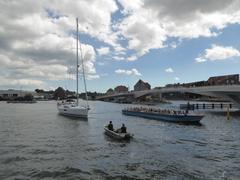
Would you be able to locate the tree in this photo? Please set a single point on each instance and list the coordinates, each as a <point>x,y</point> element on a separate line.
<point>39,90</point>
<point>110,91</point>
<point>28,97</point>
<point>59,93</point>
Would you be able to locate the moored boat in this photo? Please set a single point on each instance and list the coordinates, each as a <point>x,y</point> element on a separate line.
<point>164,115</point>
<point>117,135</point>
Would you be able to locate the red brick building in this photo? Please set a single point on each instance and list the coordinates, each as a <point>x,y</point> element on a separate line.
<point>120,89</point>
<point>141,86</point>
<point>224,80</point>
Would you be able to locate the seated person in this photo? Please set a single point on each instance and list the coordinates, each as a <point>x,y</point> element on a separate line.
<point>110,126</point>
<point>123,129</point>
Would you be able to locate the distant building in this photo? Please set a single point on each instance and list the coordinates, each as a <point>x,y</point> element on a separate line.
<point>224,80</point>
<point>195,84</point>
<point>110,91</point>
<point>11,93</point>
<point>120,89</point>
<point>141,86</point>
<point>216,80</point>
<point>158,87</point>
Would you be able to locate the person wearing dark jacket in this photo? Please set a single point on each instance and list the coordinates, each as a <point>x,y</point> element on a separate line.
<point>123,129</point>
<point>110,126</point>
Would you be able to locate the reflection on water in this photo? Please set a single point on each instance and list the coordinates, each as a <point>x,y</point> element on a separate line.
<point>37,143</point>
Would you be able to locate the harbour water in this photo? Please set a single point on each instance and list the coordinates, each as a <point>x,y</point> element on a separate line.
<point>36,143</point>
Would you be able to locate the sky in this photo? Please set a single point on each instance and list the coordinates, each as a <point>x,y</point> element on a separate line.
<point>122,41</point>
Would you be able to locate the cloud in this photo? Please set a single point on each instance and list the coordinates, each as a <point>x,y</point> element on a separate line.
<point>119,50</point>
<point>169,70</point>
<point>38,39</point>
<point>218,53</point>
<point>20,83</point>
<point>128,72</point>
<point>176,78</point>
<point>118,58</point>
<point>200,60</point>
<point>91,77</point>
<point>132,58</point>
<point>103,51</point>
<point>148,24</point>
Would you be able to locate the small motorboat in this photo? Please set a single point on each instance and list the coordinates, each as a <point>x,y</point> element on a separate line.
<point>117,135</point>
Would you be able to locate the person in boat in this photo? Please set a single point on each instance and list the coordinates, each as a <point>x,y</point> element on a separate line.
<point>110,126</point>
<point>123,129</point>
<point>188,106</point>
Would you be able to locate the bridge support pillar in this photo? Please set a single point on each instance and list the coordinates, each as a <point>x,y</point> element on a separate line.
<point>160,97</point>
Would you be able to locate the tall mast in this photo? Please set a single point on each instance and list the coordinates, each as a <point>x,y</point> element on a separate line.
<point>84,79</point>
<point>77,60</point>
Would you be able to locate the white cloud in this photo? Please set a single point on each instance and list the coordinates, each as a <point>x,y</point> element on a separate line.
<point>176,78</point>
<point>148,24</point>
<point>218,53</point>
<point>37,46</point>
<point>169,70</point>
<point>91,77</point>
<point>20,83</point>
<point>128,72</point>
<point>200,60</point>
<point>103,51</point>
<point>132,58</point>
<point>120,50</point>
<point>118,58</point>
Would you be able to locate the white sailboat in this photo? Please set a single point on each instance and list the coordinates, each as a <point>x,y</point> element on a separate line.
<point>73,108</point>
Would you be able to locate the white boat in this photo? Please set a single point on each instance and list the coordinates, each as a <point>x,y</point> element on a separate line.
<point>118,135</point>
<point>73,108</point>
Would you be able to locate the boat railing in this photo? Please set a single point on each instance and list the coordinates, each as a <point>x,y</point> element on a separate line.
<point>206,106</point>
<point>158,111</point>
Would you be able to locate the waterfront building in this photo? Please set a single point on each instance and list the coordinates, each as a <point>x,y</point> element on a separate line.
<point>215,80</point>
<point>120,89</point>
<point>224,80</point>
<point>11,93</point>
<point>173,85</point>
<point>141,86</point>
<point>195,84</point>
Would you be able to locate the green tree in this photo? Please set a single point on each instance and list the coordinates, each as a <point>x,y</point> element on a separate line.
<point>39,90</point>
<point>28,97</point>
<point>59,93</point>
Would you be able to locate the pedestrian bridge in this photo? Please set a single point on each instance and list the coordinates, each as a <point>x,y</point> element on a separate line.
<point>228,92</point>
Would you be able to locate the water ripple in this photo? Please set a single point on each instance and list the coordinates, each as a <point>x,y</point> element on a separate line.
<point>14,159</point>
<point>36,143</point>
<point>61,173</point>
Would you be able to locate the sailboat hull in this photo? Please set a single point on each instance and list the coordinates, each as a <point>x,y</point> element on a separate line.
<point>73,111</point>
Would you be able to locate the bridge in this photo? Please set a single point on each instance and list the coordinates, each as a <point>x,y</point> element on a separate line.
<point>228,92</point>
